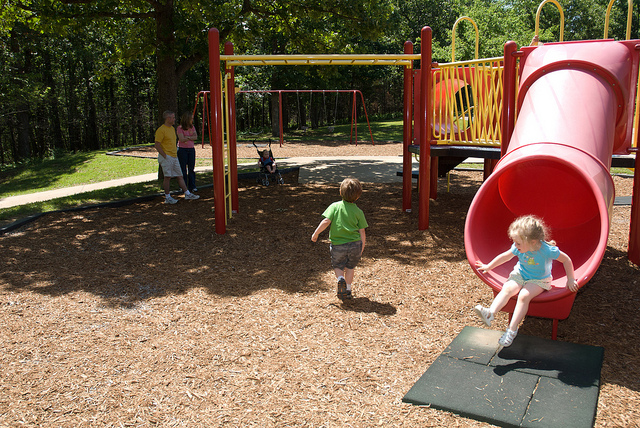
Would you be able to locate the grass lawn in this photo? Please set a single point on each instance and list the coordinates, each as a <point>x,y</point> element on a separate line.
<point>75,169</point>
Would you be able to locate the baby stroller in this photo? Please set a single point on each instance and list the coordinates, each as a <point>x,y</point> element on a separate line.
<point>265,175</point>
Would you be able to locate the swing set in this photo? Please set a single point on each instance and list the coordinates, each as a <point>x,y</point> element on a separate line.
<point>354,115</point>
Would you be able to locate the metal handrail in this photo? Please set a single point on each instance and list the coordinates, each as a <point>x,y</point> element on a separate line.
<point>453,37</point>
<point>629,14</point>
<point>561,18</point>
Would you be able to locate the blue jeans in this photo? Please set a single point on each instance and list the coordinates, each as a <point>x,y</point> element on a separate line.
<point>187,158</point>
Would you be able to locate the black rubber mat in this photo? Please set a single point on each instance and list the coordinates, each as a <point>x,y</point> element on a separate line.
<point>533,383</point>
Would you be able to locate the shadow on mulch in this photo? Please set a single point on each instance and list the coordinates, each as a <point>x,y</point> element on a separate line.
<point>364,305</point>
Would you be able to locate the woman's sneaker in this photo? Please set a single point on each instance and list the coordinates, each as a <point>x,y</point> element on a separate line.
<point>170,200</point>
<point>191,196</point>
<point>485,314</point>
<point>507,338</point>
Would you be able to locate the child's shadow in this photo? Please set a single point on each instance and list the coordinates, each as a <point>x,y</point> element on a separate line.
<point>362,304</point>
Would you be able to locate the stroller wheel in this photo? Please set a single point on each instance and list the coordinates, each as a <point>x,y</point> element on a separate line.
<point>266,182</point>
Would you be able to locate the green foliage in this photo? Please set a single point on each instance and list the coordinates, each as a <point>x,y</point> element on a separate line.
<point>82,75</point>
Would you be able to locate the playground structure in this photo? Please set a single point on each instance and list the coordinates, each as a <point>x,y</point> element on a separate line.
<point>557,113</point>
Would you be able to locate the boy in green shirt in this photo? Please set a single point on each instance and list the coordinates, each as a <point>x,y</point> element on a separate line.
<point>346,234</point>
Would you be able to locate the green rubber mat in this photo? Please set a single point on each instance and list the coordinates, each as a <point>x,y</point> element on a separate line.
<point>533,383</point>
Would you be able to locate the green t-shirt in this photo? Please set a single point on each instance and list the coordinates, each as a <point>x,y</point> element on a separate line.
<point>346,221</point>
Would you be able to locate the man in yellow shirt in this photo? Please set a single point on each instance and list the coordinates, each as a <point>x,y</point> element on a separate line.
<point>165,143</point>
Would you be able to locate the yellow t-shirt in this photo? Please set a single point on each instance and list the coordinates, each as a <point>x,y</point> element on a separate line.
<point>166,136</point>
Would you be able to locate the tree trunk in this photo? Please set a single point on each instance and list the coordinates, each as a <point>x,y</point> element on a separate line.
<point>24,140</point>
<point>166,61</point>
<point>54,106</point>
<point>73,120</point>
<point>91,127</point>
<point>275,116</point>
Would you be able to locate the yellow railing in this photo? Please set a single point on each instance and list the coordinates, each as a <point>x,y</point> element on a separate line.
<point>453,36</point>
<point>467,100</point>
<point>554,2</point>
<point>225,148</point>
<point>629,14</point>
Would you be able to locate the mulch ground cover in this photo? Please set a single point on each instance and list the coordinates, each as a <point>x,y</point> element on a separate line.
<point>143,316</point>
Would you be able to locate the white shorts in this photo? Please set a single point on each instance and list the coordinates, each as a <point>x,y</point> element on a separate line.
<point>170,166</point>
<point>545,283</point>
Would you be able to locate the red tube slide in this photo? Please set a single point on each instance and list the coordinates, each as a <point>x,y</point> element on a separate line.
<point>575,105</point>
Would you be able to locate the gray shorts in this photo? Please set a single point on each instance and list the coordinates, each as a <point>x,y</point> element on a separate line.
<point>170,166</point>
<point>345,255</point>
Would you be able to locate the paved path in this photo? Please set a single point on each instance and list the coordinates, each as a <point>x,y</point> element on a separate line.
<point>312,170</point>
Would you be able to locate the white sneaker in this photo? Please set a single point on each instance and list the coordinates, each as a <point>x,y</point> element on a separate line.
<point>170,200</point>
<point>484,314</point>
<point>191,196</point>
<point>507,338</point>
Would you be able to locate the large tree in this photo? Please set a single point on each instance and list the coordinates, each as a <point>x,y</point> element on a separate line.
<point>175,31</point>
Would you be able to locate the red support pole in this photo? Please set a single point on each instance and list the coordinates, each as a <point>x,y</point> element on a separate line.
<point>280,117</point>
<point>508,120</point>
<point>216,130</point>
<point>425,136</point>
<point>407,133</point>
<point>231,114</point>
<point>354,119</point>
<point>366,116</point>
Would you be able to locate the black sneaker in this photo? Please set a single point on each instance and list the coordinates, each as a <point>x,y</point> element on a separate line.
<point>342,289</point>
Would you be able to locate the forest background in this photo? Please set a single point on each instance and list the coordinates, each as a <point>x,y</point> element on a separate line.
<point>80,75</point>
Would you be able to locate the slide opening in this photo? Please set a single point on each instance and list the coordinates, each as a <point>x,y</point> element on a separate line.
<point>564,196</point>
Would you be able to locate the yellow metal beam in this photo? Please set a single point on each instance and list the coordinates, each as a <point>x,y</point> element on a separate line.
<point>371,59</point>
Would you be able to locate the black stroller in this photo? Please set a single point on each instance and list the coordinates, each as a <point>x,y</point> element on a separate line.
<point>265,175</point>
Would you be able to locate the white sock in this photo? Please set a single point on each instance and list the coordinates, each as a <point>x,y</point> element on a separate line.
<point>340,277</point>
<point>348,287</point>
<point>167,195</point>
<point>187,193</point>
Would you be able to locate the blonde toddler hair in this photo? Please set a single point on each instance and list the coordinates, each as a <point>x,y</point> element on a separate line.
<point>529,228</point>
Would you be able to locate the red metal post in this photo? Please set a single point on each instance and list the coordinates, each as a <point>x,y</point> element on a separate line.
<point>425,136</point>
<point>216,131</point>
<point>364,108</point>
<point>231,132</point>
<point>507,122</point>
<point>355,115</point>
<point>280,117</point>
<point>407,133</point>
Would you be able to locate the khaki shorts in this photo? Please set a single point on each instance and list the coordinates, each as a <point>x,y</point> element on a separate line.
<point>545,283</point>
<point>170,166</point>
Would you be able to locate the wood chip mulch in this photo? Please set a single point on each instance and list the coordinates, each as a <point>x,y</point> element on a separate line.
<point>143,316</point>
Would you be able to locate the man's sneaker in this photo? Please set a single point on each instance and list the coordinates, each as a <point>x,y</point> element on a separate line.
<point>484,314</point>
<point>194,190</point>
<point>342,289</point>
<point>170,200</point>
<point>191,196</point>
<point>507,338</point>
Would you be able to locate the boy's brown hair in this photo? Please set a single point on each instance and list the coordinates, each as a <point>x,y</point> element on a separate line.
<point>350,189</point>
